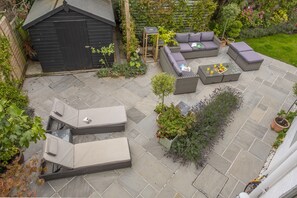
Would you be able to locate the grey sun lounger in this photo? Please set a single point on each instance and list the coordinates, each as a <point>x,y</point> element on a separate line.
<point>64,159</point>
<point>87,121</point>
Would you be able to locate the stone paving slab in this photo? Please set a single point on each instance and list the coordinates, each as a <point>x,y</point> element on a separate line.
<point>238,156</point>
<point>246,166</point>
<point>210,182</point>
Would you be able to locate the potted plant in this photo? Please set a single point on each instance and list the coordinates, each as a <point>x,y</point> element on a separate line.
<point>167,37</point>
<point>172,123</point>
<point>162,85</point>
<point>17,131</point>
<point>280,122</point>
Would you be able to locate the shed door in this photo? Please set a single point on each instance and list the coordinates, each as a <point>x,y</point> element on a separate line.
<point>73,39</point>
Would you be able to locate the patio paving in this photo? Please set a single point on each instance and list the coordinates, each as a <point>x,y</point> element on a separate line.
<point>235,160</point>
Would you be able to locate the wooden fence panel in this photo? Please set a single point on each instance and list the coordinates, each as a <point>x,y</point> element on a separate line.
<point>18,59</point>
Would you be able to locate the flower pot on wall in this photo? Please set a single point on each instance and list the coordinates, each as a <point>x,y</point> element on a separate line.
<point>167,142</point>
<point>278,124</point>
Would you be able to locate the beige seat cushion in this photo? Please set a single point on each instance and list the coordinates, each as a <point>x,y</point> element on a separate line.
<point>70,114</point>
<point>102,116</point>
<point>101,152</point>
<point>64,154</point>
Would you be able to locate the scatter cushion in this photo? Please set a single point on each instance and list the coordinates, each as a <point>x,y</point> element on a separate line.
<point>178,56</point>
<point>209,45</point>
<point>185,47</point>
<point>177,69</point>
<point>195,37</point>
<point>171,58</point>
<point>240,47</point>
<point>59,108</point>
<point>182,37</point>
<point>207,36</point>
<point>51,147</point>
<point>251,57</point>
<point>167,50</point>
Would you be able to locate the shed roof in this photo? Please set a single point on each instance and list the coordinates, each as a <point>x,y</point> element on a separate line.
<point>42,9</point>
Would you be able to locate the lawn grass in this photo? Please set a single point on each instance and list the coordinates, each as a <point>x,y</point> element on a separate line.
<point>280,46</point>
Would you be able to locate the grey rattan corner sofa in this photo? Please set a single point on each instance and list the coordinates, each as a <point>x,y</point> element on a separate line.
<point>186,82</point>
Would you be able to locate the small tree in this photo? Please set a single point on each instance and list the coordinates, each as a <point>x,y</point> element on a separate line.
<point>229,14</point>
<point>295,93</point>
<point>17,130</point>
<point>163,85</point>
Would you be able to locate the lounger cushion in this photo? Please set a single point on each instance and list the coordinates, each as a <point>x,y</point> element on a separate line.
<point>109,151</point>
<point>59,108</point>
<point>210,45</point>
<point>65,152</point>
<point>195,37</point>
<point>185,47</point>
<point>182,37</point>
<point>51,147</point>
<point>106,116</point>
<point>207,36</point>
<point>70,114</point>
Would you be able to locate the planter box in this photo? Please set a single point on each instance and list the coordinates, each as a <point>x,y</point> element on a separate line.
<point>166,142</point>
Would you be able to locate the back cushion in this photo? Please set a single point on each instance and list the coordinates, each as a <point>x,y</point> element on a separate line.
<point>171,59</point>
<point>51,147</point>
<point>59,108</point>
<point>177,69</point>
<point>207,36</point>
<point>182,37</point>
<point>167,50</point>
<point>195,37</point>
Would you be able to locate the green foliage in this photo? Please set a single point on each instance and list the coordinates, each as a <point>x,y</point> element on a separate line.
<point>212,115</point>
<point>167,36</point>
<point>124,69</point>
<point>172,123</point>
<point>295,89</point>
<point>229,15</point>
<point>135,60</point>
<point>282,134</point>
<point>279,46</point>
<point>178,15</point>
<point>163,85</point>
<point>104,51</point>
<point>200,15</point>
<point>159,108</point>
<point>17,130</point>
<point>13,94</point>
<point>5,67</point>
<point>234,29</point>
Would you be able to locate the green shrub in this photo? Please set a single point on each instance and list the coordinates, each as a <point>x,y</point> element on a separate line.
<point>13,94</point>
<point>163,85</point>
<point>212,116</point>
<point>282,134</point>
<point>124,69</point>
<point>172,123</point>
<point>286,28</point>
<point>234,29</point>
<point>17,130</point>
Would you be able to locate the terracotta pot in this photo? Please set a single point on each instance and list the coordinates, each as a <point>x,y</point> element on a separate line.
<point>277,127</point>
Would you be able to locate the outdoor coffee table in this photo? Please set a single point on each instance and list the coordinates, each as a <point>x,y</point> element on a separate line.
<point>231,74</point>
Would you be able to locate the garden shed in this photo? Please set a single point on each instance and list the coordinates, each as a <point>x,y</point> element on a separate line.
<point>60,30</point>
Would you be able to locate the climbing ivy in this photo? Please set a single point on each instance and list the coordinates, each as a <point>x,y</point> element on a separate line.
<point>179,15</point>
<point>5,67</point>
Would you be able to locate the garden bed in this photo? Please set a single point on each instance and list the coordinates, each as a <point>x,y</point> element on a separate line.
<point>213,114</point>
